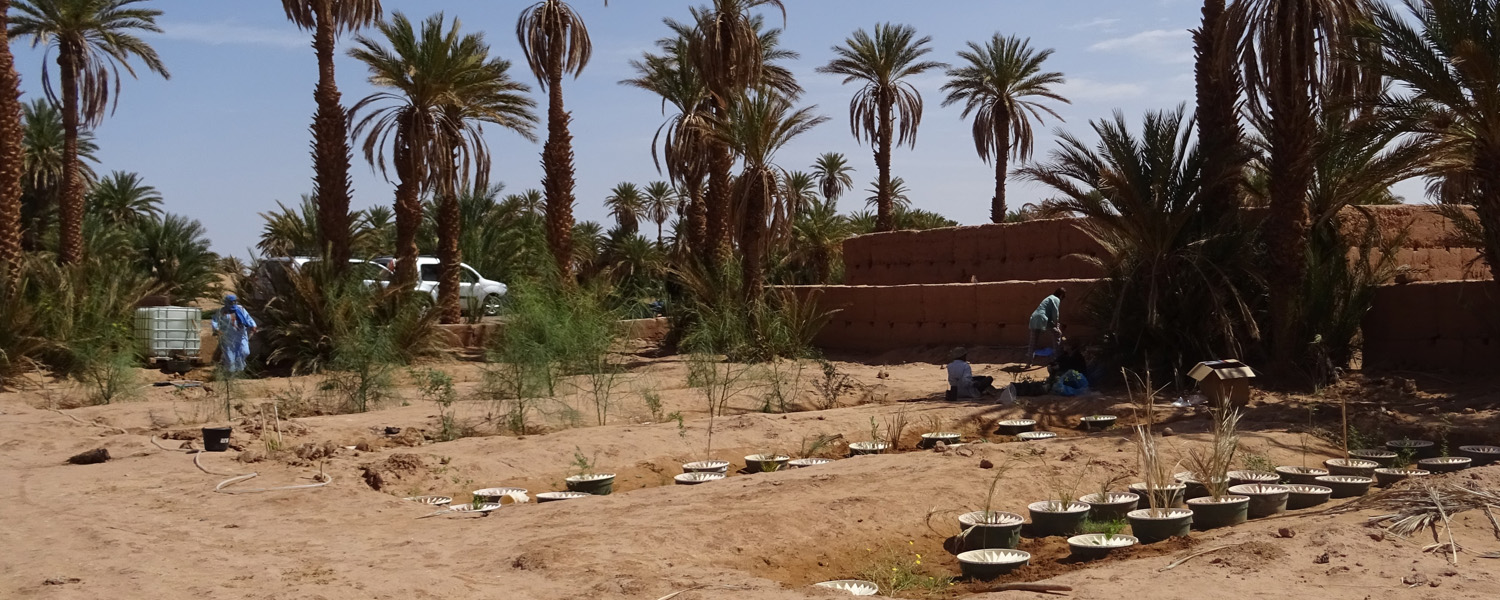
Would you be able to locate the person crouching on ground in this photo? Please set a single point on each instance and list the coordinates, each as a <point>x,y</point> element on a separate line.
<point>1046,319</point>
<point>962,384</point>
<point>234,327</point>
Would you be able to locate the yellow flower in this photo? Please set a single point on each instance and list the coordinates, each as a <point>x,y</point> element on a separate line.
<point>893,569</point>
<point>919,557</point>
<point>919,562</point>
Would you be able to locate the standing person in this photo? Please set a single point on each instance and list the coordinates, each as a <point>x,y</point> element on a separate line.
<point>233,325</point>
<point>1046,319</point>
<point>961,380</point>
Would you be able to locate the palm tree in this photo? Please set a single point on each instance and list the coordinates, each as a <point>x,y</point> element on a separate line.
<point>625,204</point>
<point>832,171</point>
<point>173,251</point>
<point>1177,289</point>
<point>679,148</point>
<point>328,19</point>
<point>42,142</point>
<point>374,232</point>
<point>894,192</point>
<point>444,88</point>
<point>819,235</point>
<point>1445,54</point>
<point>1293,69</point>
<point>556,42</point>
<point>588,245</point>
<point>887,109</point>
<point>93,40</point>
<point>290,231</point>
<point>756,127</point>
<point>796,192</point>
<point>731,54</point>
<point>124,198</point>
<point>1220,137</point>
<point>530,202</point>
<point>1002,84</point>
<point>662,200</point>
<point>10,152</point>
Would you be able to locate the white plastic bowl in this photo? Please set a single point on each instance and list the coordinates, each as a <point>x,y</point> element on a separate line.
<point>697,478</point>
<point>855,587</point>
<point>431,500</point>
<point>1033,436</point>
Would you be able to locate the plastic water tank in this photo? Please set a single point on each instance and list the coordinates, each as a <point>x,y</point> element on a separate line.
<point>167,331</point>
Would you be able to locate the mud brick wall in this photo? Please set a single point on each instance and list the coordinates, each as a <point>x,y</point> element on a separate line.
<point>1436,326</point>
<point>1031,251</point>
<point>1430,250</point>
<point>880,318</point>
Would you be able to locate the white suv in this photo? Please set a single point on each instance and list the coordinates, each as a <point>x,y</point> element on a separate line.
<point>474,291</point>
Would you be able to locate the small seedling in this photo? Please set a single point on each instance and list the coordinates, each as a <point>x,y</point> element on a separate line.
<point>1255,461</point>
<point>582,464</point>
<point>1110,528</point>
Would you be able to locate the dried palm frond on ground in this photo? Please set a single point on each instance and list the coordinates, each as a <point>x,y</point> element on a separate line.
<point>1425,506</point>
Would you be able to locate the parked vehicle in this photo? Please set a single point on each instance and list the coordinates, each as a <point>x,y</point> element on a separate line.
<point>372,273</point>
<point>475,293</point>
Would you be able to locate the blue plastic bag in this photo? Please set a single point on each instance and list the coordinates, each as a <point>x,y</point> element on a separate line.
<point>1071,383</point>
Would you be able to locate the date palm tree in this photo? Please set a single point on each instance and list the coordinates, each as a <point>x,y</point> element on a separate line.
<point>1294,68</point>
<point>1221,139</point>
<point>93,40</point>
<point>888,109</point>
<point>819,235</point>
<point>832,171</point>
<point>556,42</point>
<point>441,88</point>
<point>1002,85</point>
<point>732,53</point>
<point>1447,53</point>
<point>894,192</point>
<point>794,195</point>
<point>679,148</point>
<point>626,204</point>
<point>42,141</point>
<point>10,152</point>
<point>662,200</point>
<point>756,127</point>
<point>327,20</point>
<point>124,198</point>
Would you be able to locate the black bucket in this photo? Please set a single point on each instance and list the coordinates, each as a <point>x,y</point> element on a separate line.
<point>216,439</point>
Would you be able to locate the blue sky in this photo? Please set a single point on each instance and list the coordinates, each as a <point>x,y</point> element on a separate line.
<point>228,135</point>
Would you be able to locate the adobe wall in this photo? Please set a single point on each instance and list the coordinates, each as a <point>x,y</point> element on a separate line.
<point>1449,326</point>
<point>1030,251</point>
<point>1430,251</point>
<point>1055,249</point>
<point>881,318</point>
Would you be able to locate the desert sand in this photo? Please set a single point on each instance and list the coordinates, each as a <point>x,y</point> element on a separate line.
<point>149,524</point>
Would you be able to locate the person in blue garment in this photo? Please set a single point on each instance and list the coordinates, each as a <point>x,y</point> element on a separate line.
<point>1046,319</point>
<point>234,326</point>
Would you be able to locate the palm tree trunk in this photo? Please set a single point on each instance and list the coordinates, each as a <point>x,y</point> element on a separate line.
<point>1488,207</point>
<point>1219,135</point>
<point>883,217</point>
<point>408,205</point>
<point>658,235</point>
<point>752,236</point>
<point>330,150</point>
<point>697,217</point>
<point>557,163</point>
<point>721,161</point>
<point>1291,168</point>
<point>998,209</point>
<point>10,150</point>
<point>449,227</point>
<point>70,201</point>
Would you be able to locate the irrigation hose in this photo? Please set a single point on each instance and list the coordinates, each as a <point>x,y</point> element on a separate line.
<point>234,479</point>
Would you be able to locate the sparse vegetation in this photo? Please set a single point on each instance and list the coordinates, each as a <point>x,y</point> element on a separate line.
<point>832,386</point>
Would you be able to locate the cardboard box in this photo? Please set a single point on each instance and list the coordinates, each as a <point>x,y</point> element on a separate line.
<point>1226,381</point>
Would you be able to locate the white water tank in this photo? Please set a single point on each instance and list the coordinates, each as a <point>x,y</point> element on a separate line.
<point>169,331</point>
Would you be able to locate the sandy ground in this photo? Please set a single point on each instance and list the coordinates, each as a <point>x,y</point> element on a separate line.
<point>148,523</point>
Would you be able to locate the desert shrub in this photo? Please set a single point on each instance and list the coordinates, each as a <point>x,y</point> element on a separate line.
<point>437,386</point>
<point>832,386</point>
<point>363,363</point>
<point>716,317</point>
<point>21,339</point>
<point>784,379</point>
<point>109,374</point>
<point>83,310</point>
<point>309,317</point>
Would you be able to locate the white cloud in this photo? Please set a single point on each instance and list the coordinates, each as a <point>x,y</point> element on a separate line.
<point>1084,90</point>
<point>1099,24</point>
<point>1164,45</point>
<point>223,33</point>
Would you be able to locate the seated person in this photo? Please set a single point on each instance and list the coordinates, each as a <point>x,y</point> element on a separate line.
<point>962,384</point>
